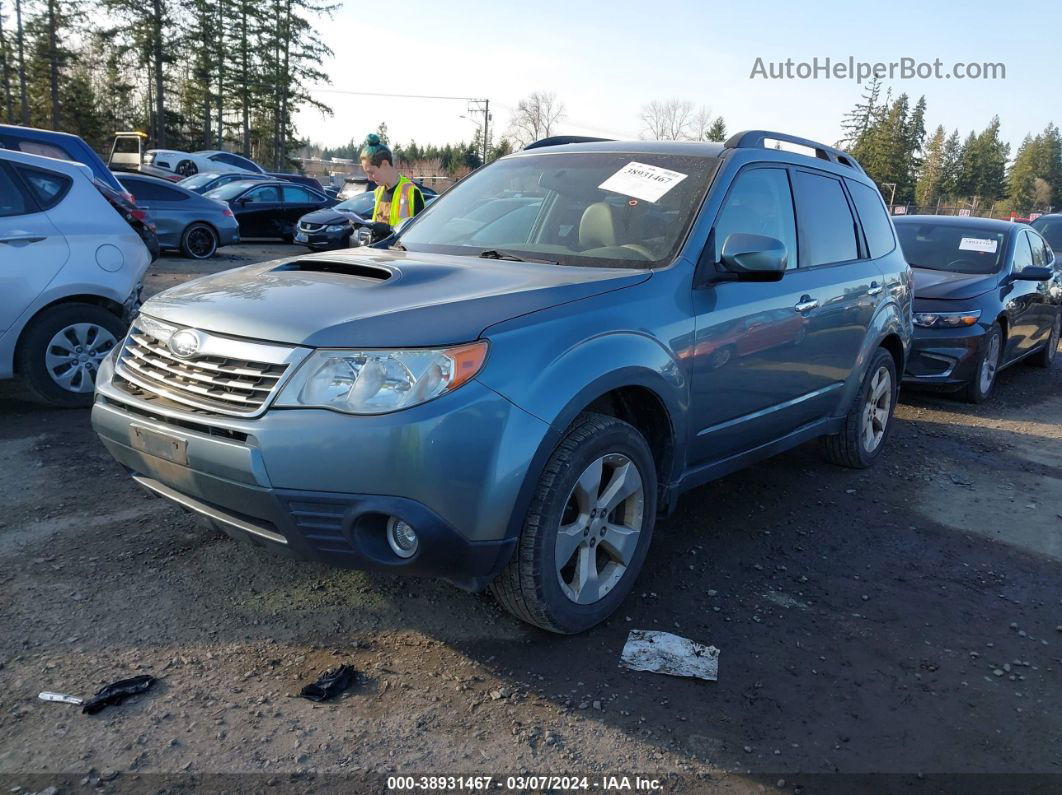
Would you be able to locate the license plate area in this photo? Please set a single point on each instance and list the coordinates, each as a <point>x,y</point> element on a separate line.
<point>160,445</point>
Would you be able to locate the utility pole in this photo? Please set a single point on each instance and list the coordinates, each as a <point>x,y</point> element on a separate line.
<point>482,106</point>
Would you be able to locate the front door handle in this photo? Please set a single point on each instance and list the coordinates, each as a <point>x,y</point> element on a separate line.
<point>807,303</point>
<point>24,240</point>
<point>875,288</point>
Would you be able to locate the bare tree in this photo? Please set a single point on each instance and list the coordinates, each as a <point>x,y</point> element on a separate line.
<point>535,117</point>
<point>668,120</point>
<point>700,124</point>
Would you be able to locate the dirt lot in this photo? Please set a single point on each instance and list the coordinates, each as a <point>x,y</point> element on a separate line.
<point>904,620</point>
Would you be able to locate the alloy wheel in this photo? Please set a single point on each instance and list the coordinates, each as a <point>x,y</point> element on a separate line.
<point>600,528</point>
<point>74,354</point>
<point>876,410</point>
<point>989,364</point>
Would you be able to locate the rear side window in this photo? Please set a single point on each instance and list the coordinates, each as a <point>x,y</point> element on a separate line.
<point>12,201</point>
<point>827,228</point>
<point>47,187</point>
<point>148,191</point>
<point>759,203</point>
<point>43,149</point>
<point>296,195</point>
<point>876,224</point>
<point>264,195</point>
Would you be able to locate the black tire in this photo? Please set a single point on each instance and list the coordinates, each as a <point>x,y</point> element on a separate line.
<point>186,168</point>
<point>530,587</point>
<point>974,391</point>
<point>849,448</point>
<point>1046,356</point>
<point>33,350</point>
<point>199,241</point>
<point>721,357</point>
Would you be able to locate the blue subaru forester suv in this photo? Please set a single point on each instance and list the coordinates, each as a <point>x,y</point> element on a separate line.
<point>514,387</point>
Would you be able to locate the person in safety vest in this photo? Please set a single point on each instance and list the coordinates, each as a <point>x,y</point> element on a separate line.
<point>397,197</point>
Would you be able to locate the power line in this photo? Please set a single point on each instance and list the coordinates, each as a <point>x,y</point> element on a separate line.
<point>399,96</point>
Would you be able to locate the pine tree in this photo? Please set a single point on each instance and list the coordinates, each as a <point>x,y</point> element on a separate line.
<point>5,70</point>
<point>931,173</point>
<point>858,121</point>
<point>717,132</point>
<point>949,169</point>
<point>1021,178</point>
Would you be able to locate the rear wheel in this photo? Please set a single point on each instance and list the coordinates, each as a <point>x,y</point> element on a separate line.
<point>979,387</point>
<point>869,421</point>
<point>61,351</point>
<point>1045,357</point>
<point>199,241</point>
<point>186,168</point>
<point>587,530</point>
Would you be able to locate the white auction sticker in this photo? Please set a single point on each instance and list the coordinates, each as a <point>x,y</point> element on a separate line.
<point>643,181</point>
<point>978,244</point>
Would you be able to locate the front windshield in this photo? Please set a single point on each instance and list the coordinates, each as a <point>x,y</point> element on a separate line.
<point>230,191</point>
<point>962,248</point>
<point>576,208</point>
<point>361,204</point>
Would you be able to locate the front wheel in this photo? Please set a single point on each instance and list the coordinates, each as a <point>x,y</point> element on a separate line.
<point>979,387</point>
<point>869,421</point>
<point>587,531</point>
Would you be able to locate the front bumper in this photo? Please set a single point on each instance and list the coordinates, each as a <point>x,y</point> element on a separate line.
<point>946,358</point>
<point>319,485</point>
<point>322,240</point>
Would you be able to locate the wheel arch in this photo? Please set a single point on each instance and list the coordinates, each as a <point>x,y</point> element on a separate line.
<point>110,305</point>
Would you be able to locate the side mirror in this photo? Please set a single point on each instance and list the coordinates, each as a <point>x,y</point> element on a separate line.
<point>754,257</point>
<point>1033,273</point>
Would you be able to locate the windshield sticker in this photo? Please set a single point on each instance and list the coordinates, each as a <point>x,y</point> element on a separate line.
<point>978,244</point>
<point>642,181</point>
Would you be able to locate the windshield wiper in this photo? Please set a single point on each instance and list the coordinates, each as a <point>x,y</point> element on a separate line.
<point>492,253</point>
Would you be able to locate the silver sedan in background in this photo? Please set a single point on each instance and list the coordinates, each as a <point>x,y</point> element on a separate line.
<point>193,224</point>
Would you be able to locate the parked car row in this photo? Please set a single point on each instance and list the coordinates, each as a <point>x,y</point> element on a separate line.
<point>508,391</point>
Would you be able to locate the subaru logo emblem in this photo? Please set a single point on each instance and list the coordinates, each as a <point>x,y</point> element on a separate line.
<point>184,343</point>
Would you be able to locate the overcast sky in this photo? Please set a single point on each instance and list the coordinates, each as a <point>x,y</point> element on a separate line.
<point>605,61</point>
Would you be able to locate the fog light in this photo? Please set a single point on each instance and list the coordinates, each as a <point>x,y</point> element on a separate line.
<point>401,537</point>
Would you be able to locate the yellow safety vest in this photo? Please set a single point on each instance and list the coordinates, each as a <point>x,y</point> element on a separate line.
<point>401,202</point>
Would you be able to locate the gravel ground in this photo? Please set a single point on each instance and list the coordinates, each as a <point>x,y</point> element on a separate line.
<point>903,620</point>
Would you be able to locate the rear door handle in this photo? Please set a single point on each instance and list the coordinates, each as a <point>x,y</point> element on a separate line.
<point>24,240</point>
<point>875,288</point>
<point>807,303</point>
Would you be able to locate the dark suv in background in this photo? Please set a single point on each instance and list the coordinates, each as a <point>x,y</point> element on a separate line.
<point>512,389</point>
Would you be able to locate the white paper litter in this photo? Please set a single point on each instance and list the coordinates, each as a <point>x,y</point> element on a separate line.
<point>664,653</point>
<point>643,181</point>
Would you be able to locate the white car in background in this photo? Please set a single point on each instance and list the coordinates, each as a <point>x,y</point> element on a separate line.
<point>70,276</point>
<point>185,164</point>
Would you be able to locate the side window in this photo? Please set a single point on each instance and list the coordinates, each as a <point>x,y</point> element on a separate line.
<point>876,224</point>
<point>827,227</point>
<point>1039,244</point>
<point>1023,257</point>
<point>264,195</point>
<point>293,194</point>
<point>12,201</point>
<point>145,191</point>
<point>43,149</point>
<point>47,187</point>
<point>759,203</point>
<point>1051,229</point>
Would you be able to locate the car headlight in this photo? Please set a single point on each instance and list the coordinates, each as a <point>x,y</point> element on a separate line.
<point>337,227</point>
<point>380,381</point>
<point>946,319</point>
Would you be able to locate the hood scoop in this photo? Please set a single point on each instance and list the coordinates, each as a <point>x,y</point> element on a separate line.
<point>356,269</point>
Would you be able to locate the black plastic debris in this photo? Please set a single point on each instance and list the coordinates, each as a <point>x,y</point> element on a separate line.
<point>330,684</point>
<point>117,692</point>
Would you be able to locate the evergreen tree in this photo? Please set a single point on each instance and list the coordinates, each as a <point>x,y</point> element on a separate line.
<point>949,169</point>
<point>858,121</point>
<point>931,173</point>
<point>1021,178</point>
<point>717,132</point>
<point>6,58</point>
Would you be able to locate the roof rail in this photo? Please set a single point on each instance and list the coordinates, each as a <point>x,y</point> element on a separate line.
<point>560,140</point>
<point>756,138</point>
